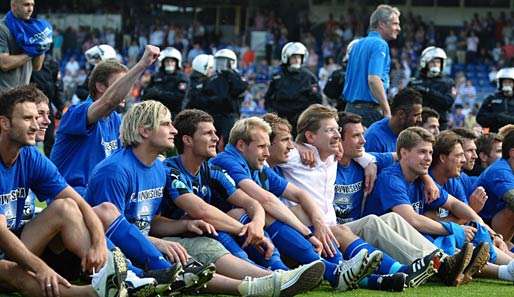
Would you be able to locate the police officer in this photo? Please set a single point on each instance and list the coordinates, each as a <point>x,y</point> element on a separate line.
<point>94,55</point>
<point>497,110</point>
<point>293,87</point>
<point>438,90</point>
<point>169,84</point>
<point>203,70</point>
<point>335,83</point>
<point>221,95</point>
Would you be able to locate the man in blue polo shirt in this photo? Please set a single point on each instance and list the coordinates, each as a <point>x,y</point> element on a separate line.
<point>89,131</point>
<point>498,181</point>
<point>399,189</point>
<point>367,73</point>
<point>406,111</point>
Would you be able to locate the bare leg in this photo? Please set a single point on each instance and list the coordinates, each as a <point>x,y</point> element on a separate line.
<point>503,223</point>
<point>234,267</point>
<point>62,217</point>
<point>489,271</point>
<point>220,284</point>
<point>13,277</point>
<point>501,257</point>
<point>343,235</point>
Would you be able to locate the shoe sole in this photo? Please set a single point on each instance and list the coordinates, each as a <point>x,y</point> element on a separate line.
<point>477,263</point>
<point>371,263</point>
<point>305,281</point>
<point>120,274</point>
<point>459,276</point>
<point>432,269</point>
<point>202,278</point>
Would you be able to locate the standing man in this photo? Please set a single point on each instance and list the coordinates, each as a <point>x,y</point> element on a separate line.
<point>367,73</point>
<point>89,131</point>
<point>20,51</point>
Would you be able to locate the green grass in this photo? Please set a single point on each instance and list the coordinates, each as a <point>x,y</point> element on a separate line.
<point>479,287</point>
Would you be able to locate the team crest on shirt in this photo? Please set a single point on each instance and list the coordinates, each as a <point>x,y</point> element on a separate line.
<point>109,146</point>
<point>418,207</point>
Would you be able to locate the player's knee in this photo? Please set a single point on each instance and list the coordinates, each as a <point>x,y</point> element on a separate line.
<point>67,208</point>
<point>107,212</point>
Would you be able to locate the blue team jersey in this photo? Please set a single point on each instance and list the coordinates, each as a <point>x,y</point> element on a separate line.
<point>454,187</point>
<point>235,164</point>
<point>468,183</point>
<point>497,180</point>
<point>135,189</point>
<point>33,171</point>
<point>79,147</point>
<point>392,189</point>
<point>349,187</point>
<point>211,183</point>
<point>380,138</point>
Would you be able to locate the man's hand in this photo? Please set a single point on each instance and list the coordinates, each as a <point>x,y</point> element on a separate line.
<point>327,238</point>
<point>254,233</point>
<point>307,155</point>
<point>318,246</point>
<point>469,232</point>
<point>370,176</point>
<point>200,226</point>
<point>477,199</point>
<point>265,247</point>
<point>96,258</point>
<point>49,281</point>
<point>500,244</point>
<point>150,55</point>
<point>173,250</point>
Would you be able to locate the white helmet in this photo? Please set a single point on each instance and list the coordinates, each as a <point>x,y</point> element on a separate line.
<point>222,56</point>
<point>505,73</point>
<point>100,53</point>
<point>294,48</point>
<point>202,63</point>
<point>349,48</point>
<point>428,55</point>
<point>171,52</point>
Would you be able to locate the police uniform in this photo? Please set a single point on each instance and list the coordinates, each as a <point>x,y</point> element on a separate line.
<point>496,111</point>
<point>167,88</point>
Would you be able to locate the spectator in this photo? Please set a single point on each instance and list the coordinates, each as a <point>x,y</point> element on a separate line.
<point>57,45</point>
<point>466,93</point>
<point>471,47</point>
<point>72,67</point>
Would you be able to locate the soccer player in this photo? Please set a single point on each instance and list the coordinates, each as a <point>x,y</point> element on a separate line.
<point>399,189</point>
<point>406,112</point>
<point>133,180</point>
<point>498,181</point>
<point>489,149</point>
<point>206,192</point>
<point>89,131</point>
<point>67,223</point>
<point>430,120</point>
<point>244,160</point>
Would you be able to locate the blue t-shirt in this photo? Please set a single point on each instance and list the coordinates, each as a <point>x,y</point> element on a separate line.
<point>497,180</point>
<point>369,56</point>
<point>380,138</point>
<point>468,183</point>
<point>211,183</point>
<point>235,164</point>
<point>79,147</point>
<point>392,189</point>
<point>454,187</point>
<point>349,187</point>
<point>33,171</point>
<point>135,189</point>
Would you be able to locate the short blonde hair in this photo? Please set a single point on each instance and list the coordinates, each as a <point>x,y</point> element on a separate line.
<point>505,130</point>
<point>411,137</point>
<point>310,119</point>
<point>147,114</point>
<point>244,128</point>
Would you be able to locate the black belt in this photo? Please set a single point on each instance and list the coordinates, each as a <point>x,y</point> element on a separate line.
<point>361,104</point>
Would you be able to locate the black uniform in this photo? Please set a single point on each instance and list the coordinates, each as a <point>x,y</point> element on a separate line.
<point>220,96</point>
<point>167,88</point>
<point>436,93</point>
<point>47,81</point>
<point>334,87</point>
<point>291,92</point>
<point>496,111</point>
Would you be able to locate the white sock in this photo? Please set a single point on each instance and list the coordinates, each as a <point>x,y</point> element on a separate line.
<point>506,272</point>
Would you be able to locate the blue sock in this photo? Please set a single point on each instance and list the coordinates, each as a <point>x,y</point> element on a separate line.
<point>135,245</point>
<point>388,264</point>
<point>370,282</point>
<point>232,246</point>
<point>274,263</point>
<point>290,242</point>
<point>138,271</point>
